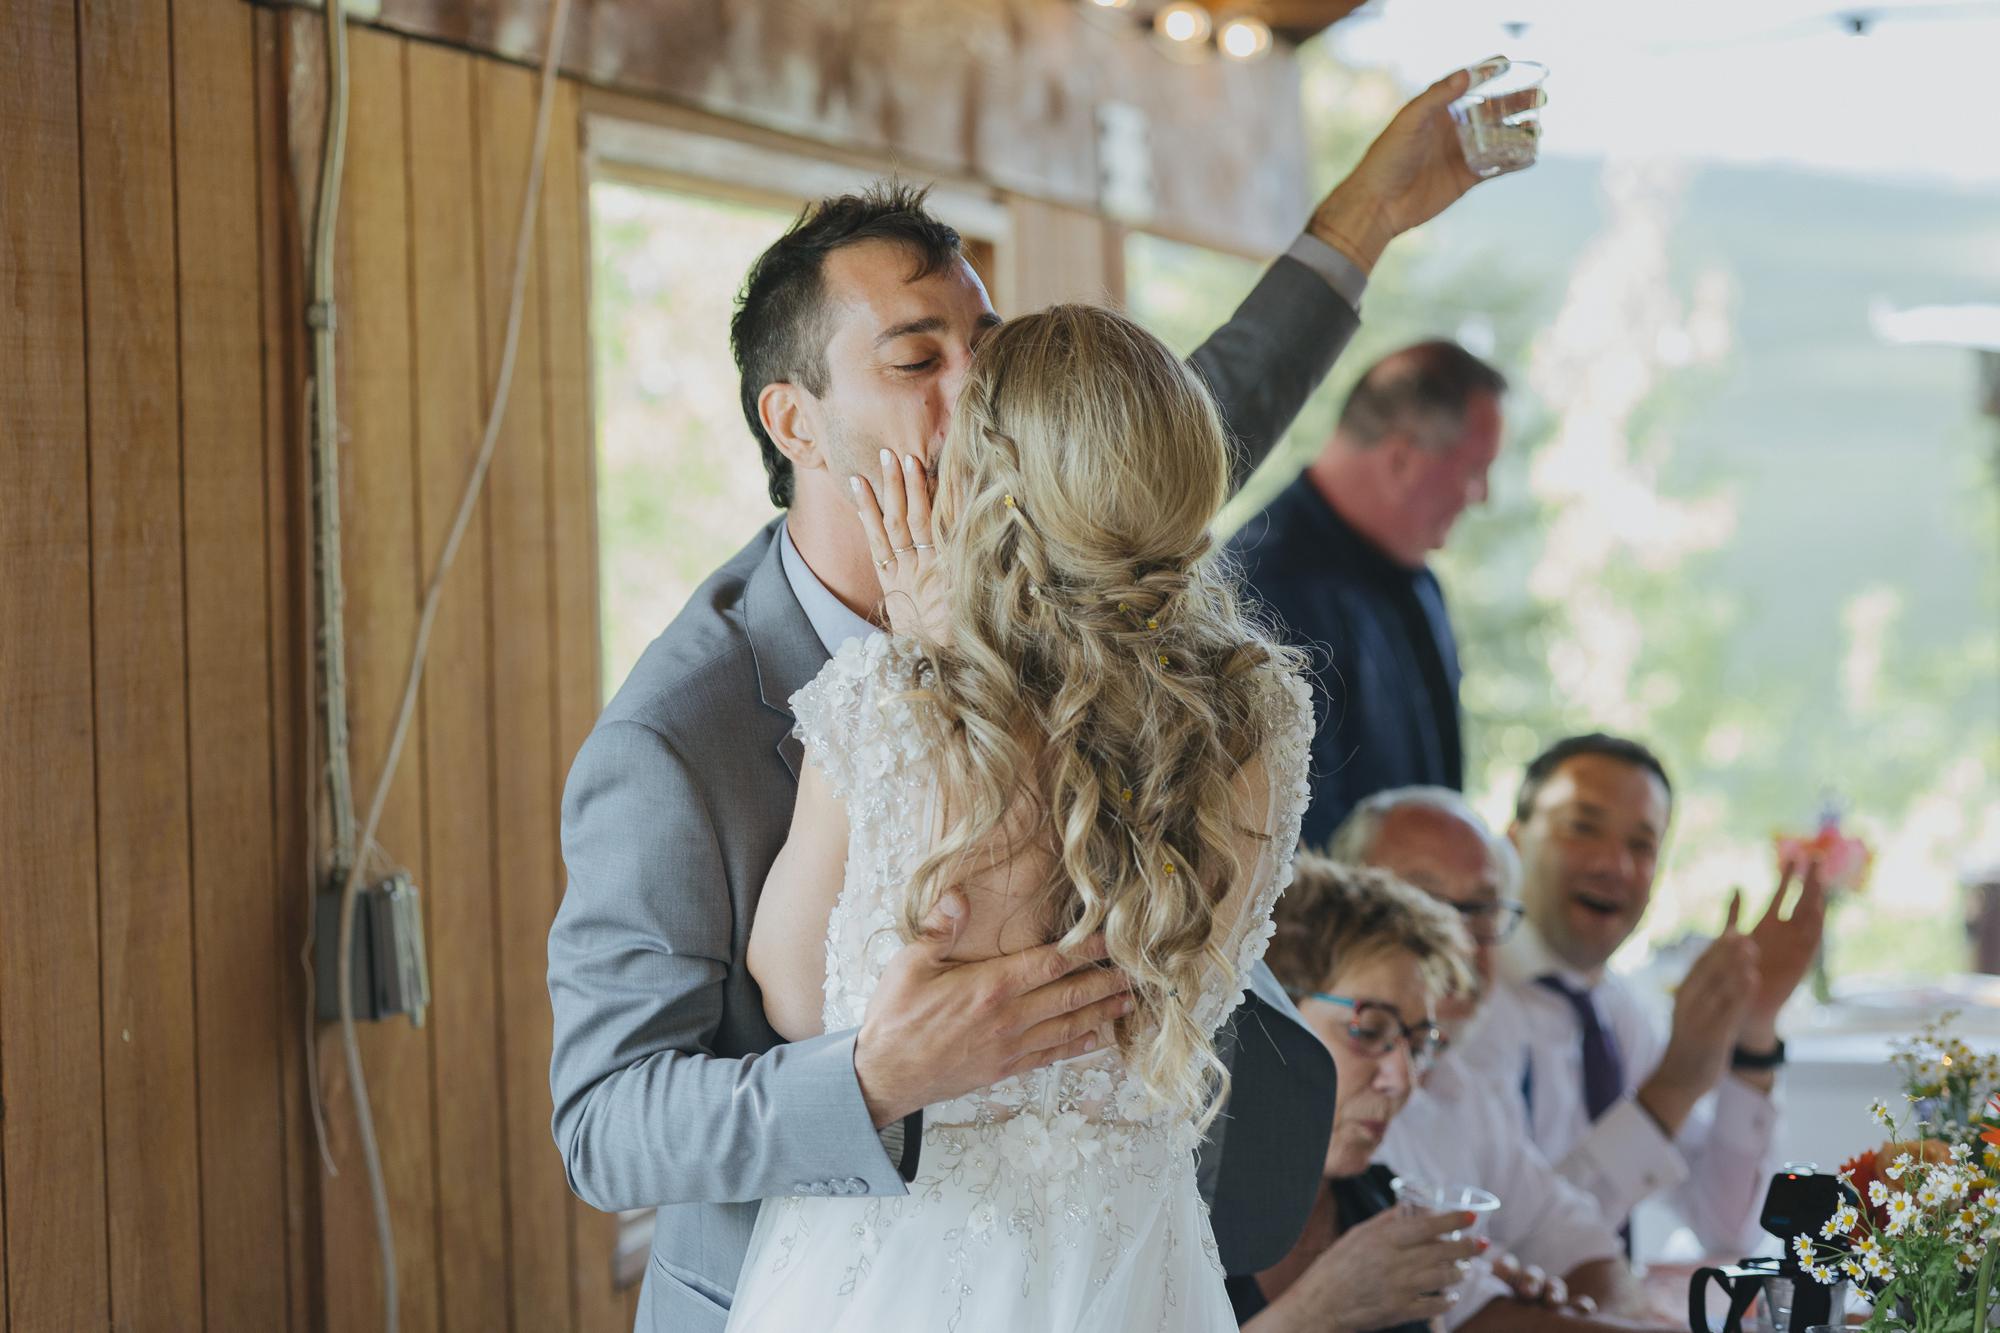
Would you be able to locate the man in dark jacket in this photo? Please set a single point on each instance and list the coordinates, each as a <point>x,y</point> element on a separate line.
<point>1339,557</point>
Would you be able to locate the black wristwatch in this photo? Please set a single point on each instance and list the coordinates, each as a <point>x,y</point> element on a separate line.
<point>1758,1061</point>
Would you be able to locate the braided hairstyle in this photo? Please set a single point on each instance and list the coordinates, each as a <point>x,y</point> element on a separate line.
<point>1099,693</point>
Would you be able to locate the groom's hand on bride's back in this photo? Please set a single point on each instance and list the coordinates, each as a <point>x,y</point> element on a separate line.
<point>938,1029</point>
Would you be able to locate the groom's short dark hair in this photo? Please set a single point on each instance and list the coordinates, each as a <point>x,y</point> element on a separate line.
<point>779,333</point>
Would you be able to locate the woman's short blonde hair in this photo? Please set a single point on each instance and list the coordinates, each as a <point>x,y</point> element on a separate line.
<point>1336,916</point>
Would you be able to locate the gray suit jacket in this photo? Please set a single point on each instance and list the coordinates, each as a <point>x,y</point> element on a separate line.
<point>671,1090</point>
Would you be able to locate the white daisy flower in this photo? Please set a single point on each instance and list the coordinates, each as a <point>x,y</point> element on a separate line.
<point>1902,1212</point>
<point>1880,1111</point>
<point>1878,1193</point>
<point>1824,1275</point>
<point>1802,1246</point>
<point>1895,1169</point>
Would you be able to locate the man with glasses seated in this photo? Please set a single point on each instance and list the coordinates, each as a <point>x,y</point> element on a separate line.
<point>1554,1244</point>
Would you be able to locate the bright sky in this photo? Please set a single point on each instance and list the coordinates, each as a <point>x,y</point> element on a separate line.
<point>1741,81</point>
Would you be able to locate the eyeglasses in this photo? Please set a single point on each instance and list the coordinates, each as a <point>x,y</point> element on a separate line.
<point>1490,922</point>
<point>1376,1029</point>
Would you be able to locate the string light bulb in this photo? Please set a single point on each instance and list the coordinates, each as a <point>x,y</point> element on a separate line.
<point>1184,24</point>
<point>1244,37</point>
<point>1112,4</point>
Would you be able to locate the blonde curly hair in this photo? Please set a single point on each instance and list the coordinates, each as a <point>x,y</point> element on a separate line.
<point>1099,694</point>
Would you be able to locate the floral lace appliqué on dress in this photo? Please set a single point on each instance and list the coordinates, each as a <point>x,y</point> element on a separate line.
<point>1059,1199</point>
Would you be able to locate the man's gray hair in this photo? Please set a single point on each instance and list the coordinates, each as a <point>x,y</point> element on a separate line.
<point>1422,390</point>
<point>1357,835</point>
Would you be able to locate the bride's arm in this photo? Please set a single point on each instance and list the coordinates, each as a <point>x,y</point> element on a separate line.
<point>787,954</point>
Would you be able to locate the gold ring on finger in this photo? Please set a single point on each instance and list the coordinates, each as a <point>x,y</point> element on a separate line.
<point>884,564</point>
<point>902,550</point>
<point>922,546</point>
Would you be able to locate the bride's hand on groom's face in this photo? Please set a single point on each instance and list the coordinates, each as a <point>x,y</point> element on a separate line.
<point>937,1029</point>
<point>895,513</point>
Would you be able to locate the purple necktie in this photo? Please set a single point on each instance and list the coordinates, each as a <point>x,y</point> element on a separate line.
<point>1603,1067</point>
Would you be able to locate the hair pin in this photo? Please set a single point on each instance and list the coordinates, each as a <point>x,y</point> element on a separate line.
<point>1008,501</point>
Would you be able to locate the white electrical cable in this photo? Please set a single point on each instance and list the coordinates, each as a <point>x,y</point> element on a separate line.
<point>321,314</point>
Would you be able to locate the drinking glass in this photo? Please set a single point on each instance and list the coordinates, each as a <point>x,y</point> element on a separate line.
<point>1423,1195</point>
<point>1427,1197</point>
<point>1499,120</point>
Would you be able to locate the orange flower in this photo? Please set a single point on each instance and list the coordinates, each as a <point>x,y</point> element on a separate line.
<point>1992,1134</point>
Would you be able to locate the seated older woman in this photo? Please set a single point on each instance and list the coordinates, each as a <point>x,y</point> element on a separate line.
<point>1368,958</point>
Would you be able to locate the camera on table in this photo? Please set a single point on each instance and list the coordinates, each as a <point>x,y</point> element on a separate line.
<point>1800,1201</point>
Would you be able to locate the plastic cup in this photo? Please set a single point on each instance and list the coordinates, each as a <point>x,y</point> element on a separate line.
<point>1499,120</point>
<point>1424,1196</point>
<point>1448,1199</point>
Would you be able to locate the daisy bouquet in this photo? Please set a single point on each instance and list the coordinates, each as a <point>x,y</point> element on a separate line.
<point>1951,1085</point>
<point>1924,1241</point>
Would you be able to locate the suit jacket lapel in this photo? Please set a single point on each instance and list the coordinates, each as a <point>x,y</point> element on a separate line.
<point>783,645</point>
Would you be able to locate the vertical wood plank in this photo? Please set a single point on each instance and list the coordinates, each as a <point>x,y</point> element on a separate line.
<point>279,230</point>
<point>5,1322</point>
<point>379,548</point>
<point>1054,254</point>
<point>152,1175</point>
<point>458,768</point>
<point>52,1136</point>
<point>237,987</point>
<point>573,574</point>
<point>523,720</point>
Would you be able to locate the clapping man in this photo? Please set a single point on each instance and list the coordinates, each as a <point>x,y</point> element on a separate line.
<point>1626,1111</point>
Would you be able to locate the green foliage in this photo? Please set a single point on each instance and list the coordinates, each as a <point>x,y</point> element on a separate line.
<point>1766,670</point>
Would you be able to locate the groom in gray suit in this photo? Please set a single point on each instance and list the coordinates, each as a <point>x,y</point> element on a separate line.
<point>671,1091</point>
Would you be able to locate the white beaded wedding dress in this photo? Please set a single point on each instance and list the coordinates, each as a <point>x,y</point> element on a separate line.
<point>1058,1201</point>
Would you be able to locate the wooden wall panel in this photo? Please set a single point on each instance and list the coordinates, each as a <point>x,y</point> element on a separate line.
<point>524,715</point>
<point>236,943</point>
<point>52,1137</point>
<point>379,558</point>
<point>1057,254</point>
<point>1004,93</point>
<point>458,735</point>
<point>285,570</point>
<point>573,540</point>
<point>152,1172</point>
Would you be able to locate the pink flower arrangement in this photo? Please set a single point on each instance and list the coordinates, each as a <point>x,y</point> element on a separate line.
<point>1843,862</point>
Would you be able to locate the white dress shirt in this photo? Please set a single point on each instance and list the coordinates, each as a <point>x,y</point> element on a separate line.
<point>1460,1128</point>
<point>1529,1042</point>
<point>831,620</point>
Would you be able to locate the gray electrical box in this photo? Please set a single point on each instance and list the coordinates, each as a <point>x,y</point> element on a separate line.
<point>391,974</point>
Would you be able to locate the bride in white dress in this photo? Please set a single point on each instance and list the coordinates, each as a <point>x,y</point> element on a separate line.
<point>1073,724</point>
